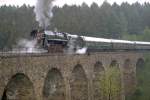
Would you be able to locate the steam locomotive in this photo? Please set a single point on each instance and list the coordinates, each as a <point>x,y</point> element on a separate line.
<point>56,42</point>
<point>62,42</point>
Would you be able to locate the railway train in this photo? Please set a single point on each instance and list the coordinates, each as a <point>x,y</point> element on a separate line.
<point>61,42</point>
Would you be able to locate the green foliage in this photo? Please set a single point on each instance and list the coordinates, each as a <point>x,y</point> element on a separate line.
<point>132,37</point>
<point>141,37</point>
<point>15,23</point>
<point>143,82</point>
<point>110,84</point>
<point>146,35</point>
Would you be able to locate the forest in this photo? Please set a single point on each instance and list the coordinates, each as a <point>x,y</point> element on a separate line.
<point>125,21</point>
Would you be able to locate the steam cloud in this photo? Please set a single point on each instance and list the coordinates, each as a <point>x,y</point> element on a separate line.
<point>43,11</point>
<point>27,46</point>
<point>81,51</point>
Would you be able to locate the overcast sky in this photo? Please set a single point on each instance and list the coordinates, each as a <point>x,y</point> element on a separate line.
<point>70,2</point>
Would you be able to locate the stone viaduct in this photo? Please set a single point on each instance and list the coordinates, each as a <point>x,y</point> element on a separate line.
<point>64,77</point>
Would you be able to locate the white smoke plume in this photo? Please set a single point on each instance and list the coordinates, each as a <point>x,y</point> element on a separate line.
<point>81,51</point>
<point>75,49</point>
<point>27,46</point>
<point>43,11</point>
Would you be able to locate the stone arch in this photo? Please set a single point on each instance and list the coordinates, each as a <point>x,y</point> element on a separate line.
<point>140,64</point>
<point>114,63</point>
<point>54,86</point>
<point>128,77</point>
<point>98,74</point>
<point>19,87</point>
<point>79,84</point>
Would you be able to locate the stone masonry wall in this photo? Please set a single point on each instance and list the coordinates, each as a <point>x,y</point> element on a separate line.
<point>72,76</point>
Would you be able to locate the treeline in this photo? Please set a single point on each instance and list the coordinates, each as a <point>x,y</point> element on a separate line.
<point>110,21</point>
<point>15,23</point>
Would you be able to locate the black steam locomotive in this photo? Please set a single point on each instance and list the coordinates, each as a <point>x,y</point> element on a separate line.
<point>56,42</point>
